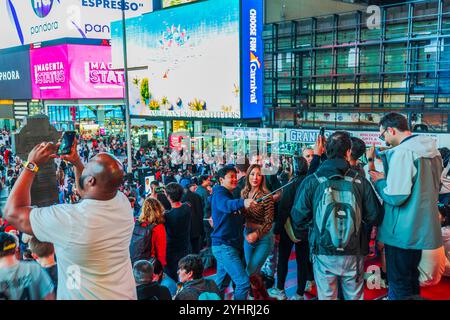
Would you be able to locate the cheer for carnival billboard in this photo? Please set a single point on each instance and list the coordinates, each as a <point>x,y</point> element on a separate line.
<point>199,60</point>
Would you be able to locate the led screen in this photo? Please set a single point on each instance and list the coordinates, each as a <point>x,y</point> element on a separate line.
<point>191,61</point>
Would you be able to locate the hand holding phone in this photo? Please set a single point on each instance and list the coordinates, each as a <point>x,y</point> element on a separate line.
<point>67,140</point>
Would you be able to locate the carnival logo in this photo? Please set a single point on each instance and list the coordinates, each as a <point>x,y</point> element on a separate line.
<point>255,64</point>
<point>42,7</point>
<point>254,59</point>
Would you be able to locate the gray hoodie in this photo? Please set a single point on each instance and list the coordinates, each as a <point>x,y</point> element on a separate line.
<point>410,193</point>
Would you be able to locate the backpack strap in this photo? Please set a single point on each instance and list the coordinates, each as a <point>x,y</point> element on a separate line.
<point>320,179</point>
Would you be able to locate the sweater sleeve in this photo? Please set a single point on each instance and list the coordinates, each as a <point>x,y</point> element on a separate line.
<point>268,205</point>
<point>227,205</point>
<point>159,244</point>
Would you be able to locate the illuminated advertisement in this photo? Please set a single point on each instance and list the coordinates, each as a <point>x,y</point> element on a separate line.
<point>15,80</point>
<point>74,72</point>
<point>252,58</point>
<point>31,21</point>
<point>191,61</point>
<point>170,3</point>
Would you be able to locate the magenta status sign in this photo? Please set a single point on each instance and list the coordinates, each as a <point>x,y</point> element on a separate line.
<point>75,72</point>
<point>50,73</point>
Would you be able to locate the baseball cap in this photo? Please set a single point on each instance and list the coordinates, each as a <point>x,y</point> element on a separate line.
<point>7,242</point>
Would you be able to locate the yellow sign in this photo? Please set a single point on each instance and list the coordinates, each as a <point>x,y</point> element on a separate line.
<point>180,125</point>
<point>8,102</point>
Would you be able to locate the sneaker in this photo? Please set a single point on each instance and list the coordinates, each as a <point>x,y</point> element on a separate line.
<point>277,293</point>
<point>297,297</point>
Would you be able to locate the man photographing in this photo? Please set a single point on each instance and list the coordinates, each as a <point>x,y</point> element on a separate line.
<point>91,238</point>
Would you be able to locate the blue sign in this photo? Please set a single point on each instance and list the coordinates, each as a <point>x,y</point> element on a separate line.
<point>305,136</point>
<point>252,58</point>
<point>15,77</point>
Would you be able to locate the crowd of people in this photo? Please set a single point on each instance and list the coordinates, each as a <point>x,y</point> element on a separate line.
<point>337,205</point>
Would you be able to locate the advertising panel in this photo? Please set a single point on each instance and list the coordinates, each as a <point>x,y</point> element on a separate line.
<point>50,73</point>
<point>252,58</point>
<point>30,21</point>
<point>92,75</point>
<point>170,3</point>
<point>74,72</point>
<point>370,138</point>
<point>15,81</point>
<point>191,56</point>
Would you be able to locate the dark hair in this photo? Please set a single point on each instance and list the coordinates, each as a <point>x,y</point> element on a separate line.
<point>358,148</point>
<point>174,191</point>
<point>300,166</point>
<point>444,210</point>
<point>157,266</point>
<point>192,262</point>
<point>243,167</point>
<point>154,183</point>
<point>445,154</point>
<point>224,171</point>
<point>203,178</point>
<point>143,271</point>
<point>338,144</point>
<point>41,249</point>
<point>8,244</point>
<point>394,120</point>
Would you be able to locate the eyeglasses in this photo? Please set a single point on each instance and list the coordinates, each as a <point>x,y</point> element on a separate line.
<point>381,137</point>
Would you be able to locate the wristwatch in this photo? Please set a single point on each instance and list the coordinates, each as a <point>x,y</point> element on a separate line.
<point>370,159</point>
<point>31,166</point>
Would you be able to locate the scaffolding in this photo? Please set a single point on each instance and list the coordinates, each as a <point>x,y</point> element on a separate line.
<point>361,65</point>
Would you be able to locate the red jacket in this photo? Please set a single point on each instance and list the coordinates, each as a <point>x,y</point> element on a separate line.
<point>159,243</point>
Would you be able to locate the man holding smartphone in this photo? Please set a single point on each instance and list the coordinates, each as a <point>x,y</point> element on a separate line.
<point>409,189</point>
<point>91,238</point>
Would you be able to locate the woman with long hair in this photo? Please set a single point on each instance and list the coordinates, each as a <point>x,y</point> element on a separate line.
<point>258,232</point>
<point>153,213</point>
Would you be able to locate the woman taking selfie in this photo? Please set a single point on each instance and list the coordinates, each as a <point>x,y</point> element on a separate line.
<point>258,232</point>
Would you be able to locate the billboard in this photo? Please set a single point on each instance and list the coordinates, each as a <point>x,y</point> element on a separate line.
<point>31,21</point>
<point>252,59</point>
<point>191,59</point>
<point>15,82</point>
<point>170,3</point>
<point>74,72</point>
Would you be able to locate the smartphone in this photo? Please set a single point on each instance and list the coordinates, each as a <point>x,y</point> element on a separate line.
<point>66,142</point>
<point>322,132</point>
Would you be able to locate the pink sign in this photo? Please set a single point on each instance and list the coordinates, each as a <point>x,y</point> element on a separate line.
<point>75,72</point>
<point>92,75</point>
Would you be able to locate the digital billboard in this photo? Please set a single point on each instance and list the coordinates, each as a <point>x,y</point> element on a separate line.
<point>15,80</point>
<point>30,21</point>
<point>252,59</point>
<point>74,72</point>
<point>191,59</point>
<point>170,3</point>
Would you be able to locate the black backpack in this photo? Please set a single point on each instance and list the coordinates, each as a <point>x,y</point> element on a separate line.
<point>141,242</point>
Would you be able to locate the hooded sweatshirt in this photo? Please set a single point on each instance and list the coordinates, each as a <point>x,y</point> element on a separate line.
<point>410,194</point>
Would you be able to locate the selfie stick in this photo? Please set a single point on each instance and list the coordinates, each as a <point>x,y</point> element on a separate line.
<point>275,191</point>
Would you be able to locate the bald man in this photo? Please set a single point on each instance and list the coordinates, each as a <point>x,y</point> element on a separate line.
<point>91,238</point>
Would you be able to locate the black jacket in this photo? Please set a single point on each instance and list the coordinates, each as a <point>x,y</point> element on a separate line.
<point>285,205</point>
<point>195,202</point>
<point>152,291</point>
<point>306,201</point>
<point>191,290</point>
